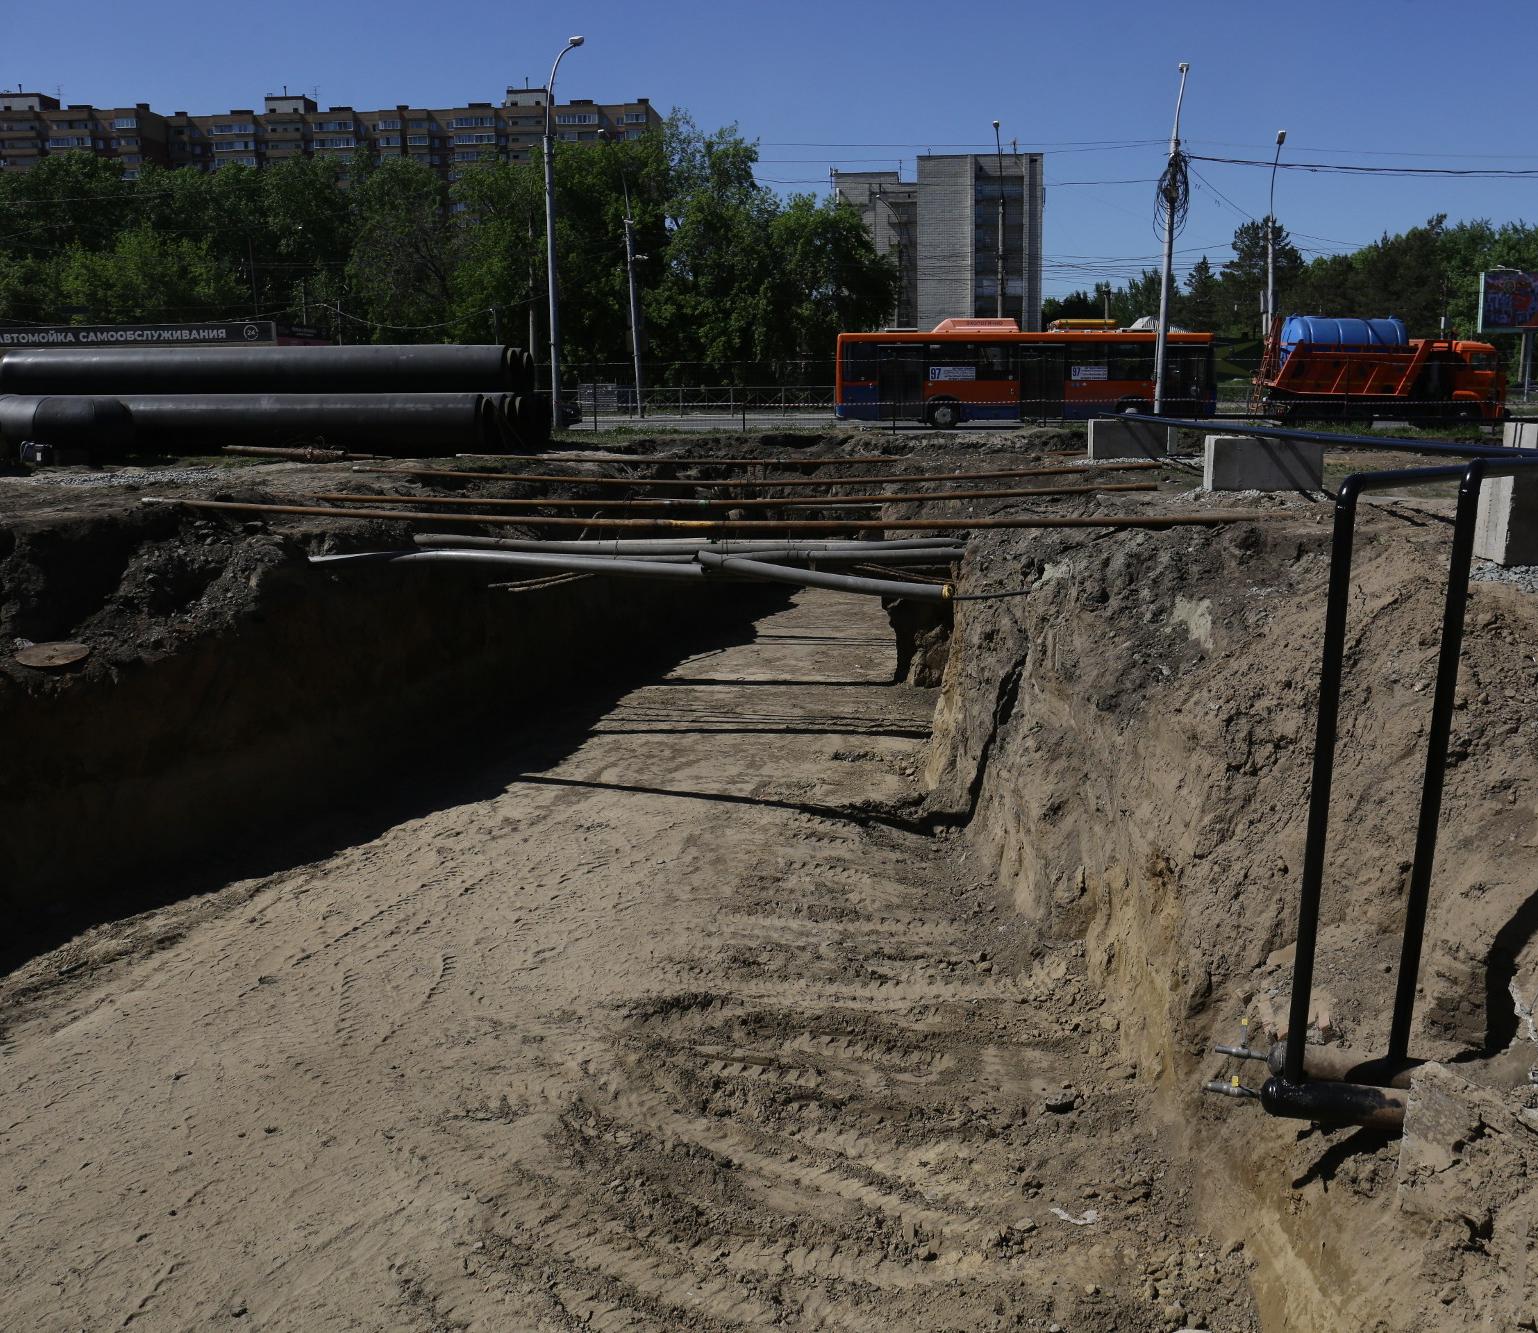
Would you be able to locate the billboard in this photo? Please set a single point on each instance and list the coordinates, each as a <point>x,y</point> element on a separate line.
<point>106,335</point>
<point>1508,301</point>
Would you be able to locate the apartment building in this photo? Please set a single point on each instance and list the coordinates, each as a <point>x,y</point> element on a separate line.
<point>942,231</point>
<point>34,125</point>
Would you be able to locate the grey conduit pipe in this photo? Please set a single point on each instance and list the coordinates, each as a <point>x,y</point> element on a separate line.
<point>809,578</point>
<point>583,564</point>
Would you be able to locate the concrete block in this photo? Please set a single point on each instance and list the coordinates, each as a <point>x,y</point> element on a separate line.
<point>1506,530</point>
<point>1521,435</point>
<point>1242,463</point>
<point>1109,438</point>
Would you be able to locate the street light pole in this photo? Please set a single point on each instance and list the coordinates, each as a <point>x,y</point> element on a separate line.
<point>1281,138</point>
<point>1161,342</point>
<point>998,304</point>
<point>555,321</point>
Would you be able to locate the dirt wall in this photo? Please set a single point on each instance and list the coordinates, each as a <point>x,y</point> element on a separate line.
<point>1129,747</point>
<point>234,691</point>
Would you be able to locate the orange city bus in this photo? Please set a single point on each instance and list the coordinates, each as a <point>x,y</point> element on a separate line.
<point>987,370</point>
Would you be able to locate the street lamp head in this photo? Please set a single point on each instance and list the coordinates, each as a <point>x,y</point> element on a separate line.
<point>1281,137</point>
<point>575,41</point>
<point>995,124</point>
<point>1184,67</point>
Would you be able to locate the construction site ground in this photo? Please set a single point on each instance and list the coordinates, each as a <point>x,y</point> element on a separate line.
<point>755,988</point>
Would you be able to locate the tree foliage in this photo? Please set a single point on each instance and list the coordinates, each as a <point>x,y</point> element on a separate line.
<point>737,283</point>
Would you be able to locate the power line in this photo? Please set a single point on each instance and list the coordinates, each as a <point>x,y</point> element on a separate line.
<point>1360,169</point>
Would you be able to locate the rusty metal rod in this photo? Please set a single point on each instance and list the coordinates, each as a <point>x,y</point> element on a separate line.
<point>667,460</point>
<point>760,484</point>
<point>314,454</point>
<point>773,502</point>
<point>688,545</point>
<point>1173,519</point>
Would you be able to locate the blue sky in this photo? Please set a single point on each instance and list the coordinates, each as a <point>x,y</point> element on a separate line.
<point>867,86</point>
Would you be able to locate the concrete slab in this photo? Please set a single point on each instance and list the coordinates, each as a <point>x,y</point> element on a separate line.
<point>1521,435</point>
<point>1506,530</point>
<point>1242,463</point>
<point>1109,438</point>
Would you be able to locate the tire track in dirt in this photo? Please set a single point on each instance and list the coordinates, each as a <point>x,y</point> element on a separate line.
<point>650,1039</point>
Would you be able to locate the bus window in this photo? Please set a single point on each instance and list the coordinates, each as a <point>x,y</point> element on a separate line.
<point>952,362</point>
<point>1131,361</point>
<point>859,361</point>
<point>993,362</point>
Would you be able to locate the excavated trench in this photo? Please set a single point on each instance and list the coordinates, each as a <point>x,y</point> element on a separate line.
<point>240,709</point>
<point>1122,753</point>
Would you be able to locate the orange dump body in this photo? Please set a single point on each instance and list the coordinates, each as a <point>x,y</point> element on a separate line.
<point>1441,378</point>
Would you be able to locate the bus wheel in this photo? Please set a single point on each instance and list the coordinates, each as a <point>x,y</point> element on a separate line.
<point>1134,405</point>
<point>944,413</point>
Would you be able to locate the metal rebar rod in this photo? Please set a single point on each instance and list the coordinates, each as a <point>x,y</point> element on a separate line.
<point>1068,469</point>
<point>913,592</point>
<point>675,545</point>
<point>314,454</point>
<point>759,502</point>
<point>1172,519</point>
<point>666,460</point>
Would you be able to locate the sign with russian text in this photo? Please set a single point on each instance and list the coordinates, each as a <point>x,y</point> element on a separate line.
<point>953,372</point>
<point>1088,373</point>
<point>110,335</point>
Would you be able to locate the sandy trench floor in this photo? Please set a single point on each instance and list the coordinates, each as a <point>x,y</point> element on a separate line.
<point>666,1035</point>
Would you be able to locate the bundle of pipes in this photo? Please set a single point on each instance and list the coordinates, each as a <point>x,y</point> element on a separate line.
<point>410,400</point>
<point>704,564</point>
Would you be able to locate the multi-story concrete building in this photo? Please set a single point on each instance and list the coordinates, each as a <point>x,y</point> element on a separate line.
<point>942,231</point>
<point>34,125</point>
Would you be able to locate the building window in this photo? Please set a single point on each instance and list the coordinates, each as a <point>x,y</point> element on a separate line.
<point>470,122</point>
<point>336,125</point>
<point>469,155</point>
<point>132,174</point>
<point>421,124</point>
<point>387,124</point>
<point>389,141</point>
<point>234,128</point>
<point>126,123</point>
<point>235,146</point>
<point>125,143</point>
<point>347,142</point>
<point>576,118</point>
<point>417,140</point>
<point>475,138</point>
<point>635,117</point>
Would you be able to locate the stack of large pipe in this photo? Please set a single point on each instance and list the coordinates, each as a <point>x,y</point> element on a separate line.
<point>412,401</point>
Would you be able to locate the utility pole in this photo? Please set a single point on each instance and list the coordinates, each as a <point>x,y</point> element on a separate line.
<point>1170,204</point>
<point>1281,138</point>
<point>555,318</point>
<point>998,304</point>
<point>635,306</point>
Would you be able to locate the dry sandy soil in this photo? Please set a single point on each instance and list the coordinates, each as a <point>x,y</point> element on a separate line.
<point>676,1031</point>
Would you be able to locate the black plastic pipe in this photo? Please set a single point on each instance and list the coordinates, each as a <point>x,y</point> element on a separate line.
<point>247,368</point>
<point>814,546</point>
<point>101,425</point>
<point>412,423</point>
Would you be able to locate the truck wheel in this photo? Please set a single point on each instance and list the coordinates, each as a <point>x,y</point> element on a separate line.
<point>944,413</point>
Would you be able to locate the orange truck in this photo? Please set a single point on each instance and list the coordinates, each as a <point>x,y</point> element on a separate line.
<point>1320,368</point>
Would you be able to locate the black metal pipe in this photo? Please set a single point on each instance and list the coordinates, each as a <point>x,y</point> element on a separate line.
<point>425,368</point>
<point>1396,444</point>
<point>1335,1103</point>
<point>814,546</point>
<point>1332,655</point>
